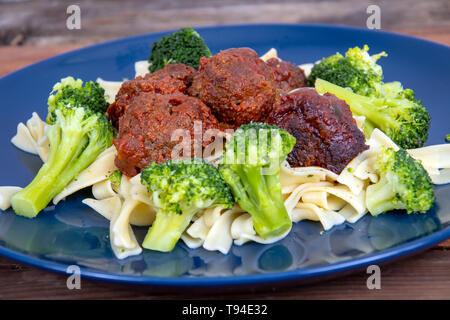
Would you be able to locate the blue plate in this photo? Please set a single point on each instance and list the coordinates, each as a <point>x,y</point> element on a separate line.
<point>73,234</point>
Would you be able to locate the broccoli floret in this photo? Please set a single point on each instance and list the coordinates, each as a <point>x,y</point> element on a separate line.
<point>357,70</point>
<point>77,135</point>
<point>115,178</point>
<point>403,184</point>
<point>70,93</point>
<point>391,89</point>
<point>398,114</point>
<point>180,189</point>
<point>447,138</point>
<point>183,46</point>
<point>251,167</point>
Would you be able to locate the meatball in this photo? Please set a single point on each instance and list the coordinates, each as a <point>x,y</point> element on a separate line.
<point>327,135</point>
<point>147,126</point>
<point>236,84</point>
<point>172,78</point>
<point>287,76</point>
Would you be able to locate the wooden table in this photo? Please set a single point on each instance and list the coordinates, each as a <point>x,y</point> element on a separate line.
<point>424,276</point>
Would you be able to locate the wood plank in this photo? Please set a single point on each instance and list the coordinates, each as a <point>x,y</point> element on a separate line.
<point>445,244</point>
<point>441,35</point>
<point>16,57</point>
<point>424,276</point>
<point>44,22</point>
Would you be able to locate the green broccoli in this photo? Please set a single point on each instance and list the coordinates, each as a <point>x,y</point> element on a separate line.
<point>77,135</point>
<point>180,189</point>
<point>398,114</point>
<point>115,178</point>
<point>71,93</point>
<point>357,70</point>
<point>403,184</point>
<point>251,167</point>
<point>447,138</point>
<point>183,46</point>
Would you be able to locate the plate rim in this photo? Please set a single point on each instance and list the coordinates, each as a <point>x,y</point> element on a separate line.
<point>399,251</point>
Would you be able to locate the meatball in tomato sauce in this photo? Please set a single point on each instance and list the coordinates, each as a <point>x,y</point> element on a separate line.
<point>171,79</point>
<point>287,76</point>
<point>237,85</point>
<point>327,135</point>
<point>147,127</point>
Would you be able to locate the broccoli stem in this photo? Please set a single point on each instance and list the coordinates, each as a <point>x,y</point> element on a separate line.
<point>270,218</point>
<point>368,127</point>
<point>274,187</point>
<point>54,137</point>
<point>254,179</point>
<point>83,160</point>
<point>239,191</point>
<point>361,105</point>
<point>380,197</point>
<point>167,229</point>
<point>66,145</point>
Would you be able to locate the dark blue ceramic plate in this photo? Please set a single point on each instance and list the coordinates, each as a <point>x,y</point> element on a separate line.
<point>72,233</point>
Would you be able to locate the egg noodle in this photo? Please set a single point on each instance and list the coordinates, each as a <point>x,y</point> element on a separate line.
<point>310,193</point>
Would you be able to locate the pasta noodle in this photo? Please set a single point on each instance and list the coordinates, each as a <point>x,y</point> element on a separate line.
<point>307,67</point>
<point>272,53</point>
<point>219,236</point>
<point>112,87</point>
<point>436,160</point>
<point>105,207</point>
<point>291,177</point>
<point>141,68</point>
<point>31,137</point>
<point>437,156</point>
<point>103,190</point>
<point>243,230</point>
<point>122,238</point>
<point>217,229</point>
<point>212,229</point>
<point>123,207</point>
<point>6,194</point>
<point>327,218</point>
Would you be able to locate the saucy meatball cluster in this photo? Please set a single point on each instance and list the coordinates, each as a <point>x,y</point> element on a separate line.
<point>240,87</point>
<point>327,135</point>
<point>146,129</point>
<point>287,76</point>
<point>171,79</point>
<point>237,85</point>
<point>231,88</point>
<point>147,111</point>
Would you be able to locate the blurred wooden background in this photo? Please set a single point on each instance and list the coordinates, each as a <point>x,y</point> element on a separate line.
<point>43,22</point>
